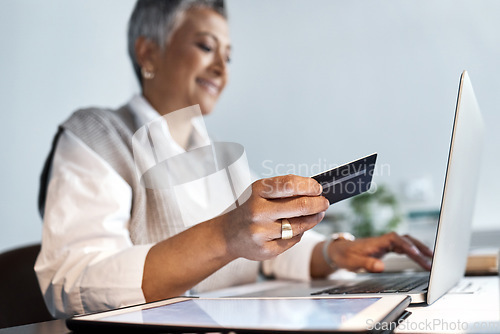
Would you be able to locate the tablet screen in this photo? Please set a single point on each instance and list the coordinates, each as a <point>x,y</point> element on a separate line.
<point>251,313</point>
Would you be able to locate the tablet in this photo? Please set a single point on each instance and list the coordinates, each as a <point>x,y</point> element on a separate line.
<point>250,315</point>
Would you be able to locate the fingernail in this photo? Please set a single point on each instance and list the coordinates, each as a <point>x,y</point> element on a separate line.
<point>378,266</point>
<point>320,188</point>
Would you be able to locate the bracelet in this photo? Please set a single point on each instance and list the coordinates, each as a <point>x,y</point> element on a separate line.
<point>334,237</point>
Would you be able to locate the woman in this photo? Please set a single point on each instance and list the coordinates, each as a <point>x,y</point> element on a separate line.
<point>109,242</point>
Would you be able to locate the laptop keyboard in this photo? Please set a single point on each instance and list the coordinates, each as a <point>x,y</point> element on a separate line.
<point>378,285</point>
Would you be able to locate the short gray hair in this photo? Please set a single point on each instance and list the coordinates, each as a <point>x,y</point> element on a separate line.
<point>155,20</point>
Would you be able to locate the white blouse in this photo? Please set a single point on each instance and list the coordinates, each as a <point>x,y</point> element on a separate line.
<point>87,262</point>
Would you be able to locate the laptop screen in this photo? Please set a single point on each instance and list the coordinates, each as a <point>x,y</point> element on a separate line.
<point>459,194</point>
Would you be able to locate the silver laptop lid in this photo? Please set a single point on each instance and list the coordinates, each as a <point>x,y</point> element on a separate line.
<point>459,194</point>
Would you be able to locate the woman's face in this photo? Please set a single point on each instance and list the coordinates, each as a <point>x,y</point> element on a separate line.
<point>193,68</point>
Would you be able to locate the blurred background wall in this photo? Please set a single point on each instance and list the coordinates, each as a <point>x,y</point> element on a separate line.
<point>313,84</point>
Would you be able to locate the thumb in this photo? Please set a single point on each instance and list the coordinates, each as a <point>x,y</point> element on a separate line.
<point>368,263</point>
<point>374,265</point>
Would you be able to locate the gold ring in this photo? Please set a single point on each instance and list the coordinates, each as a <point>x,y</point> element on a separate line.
<point>286,229</point>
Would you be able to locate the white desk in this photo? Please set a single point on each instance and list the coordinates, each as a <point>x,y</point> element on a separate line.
<point>454,309</point>
<point>461,310</point>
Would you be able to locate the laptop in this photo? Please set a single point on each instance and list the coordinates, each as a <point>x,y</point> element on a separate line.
<point>454,226</point>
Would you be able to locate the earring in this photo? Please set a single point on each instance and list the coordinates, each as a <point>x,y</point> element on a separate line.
<point>146,74</point>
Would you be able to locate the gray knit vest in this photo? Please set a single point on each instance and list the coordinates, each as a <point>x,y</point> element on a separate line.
<point>109,134</point>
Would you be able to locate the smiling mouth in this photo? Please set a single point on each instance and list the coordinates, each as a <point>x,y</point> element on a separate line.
<point>212,88</point>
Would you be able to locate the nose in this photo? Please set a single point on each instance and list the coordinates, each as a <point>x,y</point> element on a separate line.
<point>219,64</point>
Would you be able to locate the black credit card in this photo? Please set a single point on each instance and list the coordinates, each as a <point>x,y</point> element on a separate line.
<point>347,180</point>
